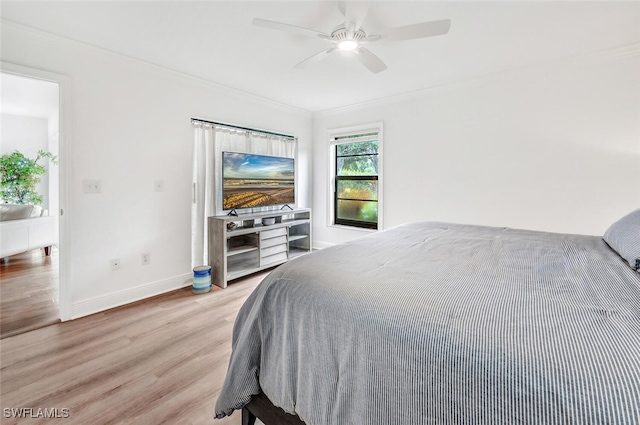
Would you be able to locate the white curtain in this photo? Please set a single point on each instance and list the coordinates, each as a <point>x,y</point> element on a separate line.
<point>209,141</point>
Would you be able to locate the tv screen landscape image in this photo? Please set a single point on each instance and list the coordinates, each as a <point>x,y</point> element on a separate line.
<point>257,180</point>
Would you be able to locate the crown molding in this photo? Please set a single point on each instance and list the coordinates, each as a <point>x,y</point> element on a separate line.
<point>602,56</point>
<point>10,28</point>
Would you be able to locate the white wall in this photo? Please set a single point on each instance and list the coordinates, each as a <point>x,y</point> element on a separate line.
<point>128,126</point>
<point>28,135</point>
<point>554,147</point>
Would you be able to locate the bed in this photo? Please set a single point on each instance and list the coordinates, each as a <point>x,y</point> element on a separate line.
<point>438,323</point>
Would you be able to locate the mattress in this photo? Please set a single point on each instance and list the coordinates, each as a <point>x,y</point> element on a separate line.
<point>438,323</point>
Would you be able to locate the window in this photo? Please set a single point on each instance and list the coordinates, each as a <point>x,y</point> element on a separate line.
<point>356,179</point>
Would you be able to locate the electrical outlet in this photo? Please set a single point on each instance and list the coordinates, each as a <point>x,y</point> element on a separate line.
<point>115,264</point>
<point>146,258</point>
<point>91,186</point>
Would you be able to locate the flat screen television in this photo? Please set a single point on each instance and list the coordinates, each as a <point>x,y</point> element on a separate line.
<point>251,181</point>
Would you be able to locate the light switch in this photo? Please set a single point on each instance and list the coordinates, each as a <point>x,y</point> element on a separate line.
<point>91,186</point>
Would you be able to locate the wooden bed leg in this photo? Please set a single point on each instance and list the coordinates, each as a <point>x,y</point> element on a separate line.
<point>247,417</point>
<point>47,250</point>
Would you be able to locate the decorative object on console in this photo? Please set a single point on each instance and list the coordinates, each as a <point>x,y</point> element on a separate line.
<point>268,221</point>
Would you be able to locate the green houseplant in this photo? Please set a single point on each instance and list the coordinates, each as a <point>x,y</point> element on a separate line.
<point>19,176</point>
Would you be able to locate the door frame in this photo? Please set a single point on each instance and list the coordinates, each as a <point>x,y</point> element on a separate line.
<point>64,83</point>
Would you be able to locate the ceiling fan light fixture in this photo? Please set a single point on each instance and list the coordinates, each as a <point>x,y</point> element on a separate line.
<point>350,36</point>
<point>348,45</point>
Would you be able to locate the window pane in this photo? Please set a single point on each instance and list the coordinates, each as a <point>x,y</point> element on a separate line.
<point>356,182</point>
<point>358,210</point>
<point>358,165</point>
<point>357,148</point>
<point>358,189</point>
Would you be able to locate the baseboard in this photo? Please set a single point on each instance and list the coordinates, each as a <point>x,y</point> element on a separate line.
<point>127,296</point>
<point>321,245</point>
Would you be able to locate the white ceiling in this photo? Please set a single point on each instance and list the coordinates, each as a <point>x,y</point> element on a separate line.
<point>216,41</point>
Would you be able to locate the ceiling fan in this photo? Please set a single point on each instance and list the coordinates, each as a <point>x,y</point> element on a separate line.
<point>350,36</point>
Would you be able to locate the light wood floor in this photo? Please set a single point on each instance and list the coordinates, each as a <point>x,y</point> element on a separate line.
<point>158,361</point>
<point>28,292</point>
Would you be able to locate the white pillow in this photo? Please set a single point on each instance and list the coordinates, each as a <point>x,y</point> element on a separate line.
<point>624,237</point>
<point>36,212</point>
<point>15,212</point>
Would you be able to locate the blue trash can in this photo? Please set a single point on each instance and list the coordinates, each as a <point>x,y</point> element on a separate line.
<point>201,280</point>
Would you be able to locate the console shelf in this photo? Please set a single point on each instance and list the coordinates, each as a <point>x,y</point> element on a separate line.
<point>240,250</point>
<point>296,237</point>
<point>241,245</point>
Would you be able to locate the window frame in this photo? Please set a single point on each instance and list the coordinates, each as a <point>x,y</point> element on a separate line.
<point>337,137</point>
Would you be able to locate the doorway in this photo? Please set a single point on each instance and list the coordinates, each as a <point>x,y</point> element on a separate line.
<point>32,293</point>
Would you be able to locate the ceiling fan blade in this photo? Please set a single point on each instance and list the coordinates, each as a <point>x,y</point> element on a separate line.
<point>421,30</point>
<point>371,61</point>
<point>369,39</point>
<point>316,58</point>
<point>289,28</point>
<point>355,13</point>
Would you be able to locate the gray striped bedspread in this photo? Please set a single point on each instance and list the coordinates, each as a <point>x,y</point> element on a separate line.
<point>435,323</point>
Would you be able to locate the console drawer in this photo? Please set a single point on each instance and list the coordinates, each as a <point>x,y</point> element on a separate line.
<point>278,240</point>
<point>282,256</point>
<point>268,234</point>
<point>265,252</point>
